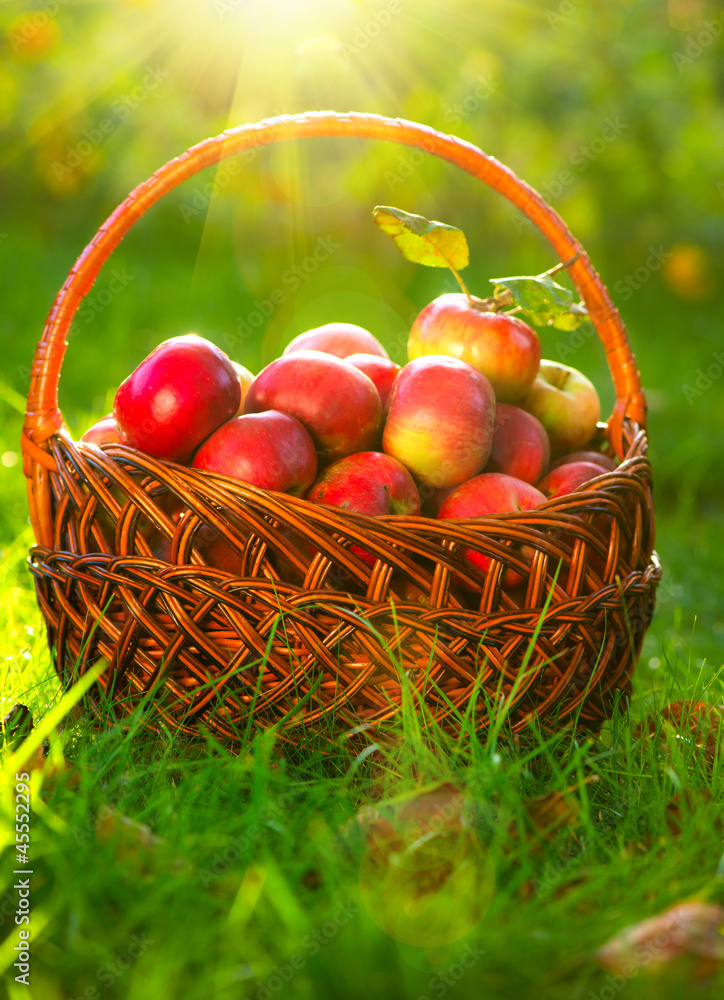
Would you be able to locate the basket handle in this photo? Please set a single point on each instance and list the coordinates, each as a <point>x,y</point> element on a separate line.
<point>43,418</point>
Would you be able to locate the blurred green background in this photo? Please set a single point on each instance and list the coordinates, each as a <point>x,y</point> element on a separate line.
<point>613,111</point>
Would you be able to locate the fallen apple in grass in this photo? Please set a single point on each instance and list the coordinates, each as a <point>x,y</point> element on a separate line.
<point>567,478</point>
<point>440,420</point>
<point>520,445</point>
<point>178,395</point>
<point>504,348</point>
<point>566,403</point>
<point>337,403</point>
<point>338,339</point>
<point>271,450</point>
<point>490,493</point>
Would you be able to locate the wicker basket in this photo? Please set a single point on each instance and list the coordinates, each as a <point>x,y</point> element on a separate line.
<point>298,629</point>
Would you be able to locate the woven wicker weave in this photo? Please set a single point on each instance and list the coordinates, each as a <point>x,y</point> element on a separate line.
<point>241,607</point>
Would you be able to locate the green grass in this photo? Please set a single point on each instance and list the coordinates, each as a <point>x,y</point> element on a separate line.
<point>260,861</point>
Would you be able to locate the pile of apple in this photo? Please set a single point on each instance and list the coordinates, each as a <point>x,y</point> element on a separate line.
<point>466,428</point>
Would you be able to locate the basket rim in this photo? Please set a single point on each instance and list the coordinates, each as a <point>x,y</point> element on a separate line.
<point>638,441</point>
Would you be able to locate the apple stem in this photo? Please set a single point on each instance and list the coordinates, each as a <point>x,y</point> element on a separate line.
<point>461,283</point>
<point>565,263</point>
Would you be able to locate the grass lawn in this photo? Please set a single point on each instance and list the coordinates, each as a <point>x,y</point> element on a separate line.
<point>251,875</point>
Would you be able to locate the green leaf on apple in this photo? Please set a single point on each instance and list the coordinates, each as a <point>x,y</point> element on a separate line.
<point>422,241</point>
<point>543,301</point>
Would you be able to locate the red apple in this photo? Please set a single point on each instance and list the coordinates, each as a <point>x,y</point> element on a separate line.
<point>335,401</point>
<point>104,431</point>
<point>382,371</point>
<point>338,339</point>
<point>504,348</point>
<point>520,445</point>
<point>567,478</point>
<point>440,420</point>
<point>491,493</point>
<point>177,396</point>
<point>597,457</point>
<point>566,403</point>
<point>271,450</point>
<point>368,482</point>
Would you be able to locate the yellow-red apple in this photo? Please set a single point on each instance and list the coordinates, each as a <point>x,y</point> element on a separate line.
<point>566,403</point>
<point>440,420</point>
<point>504,348</point>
